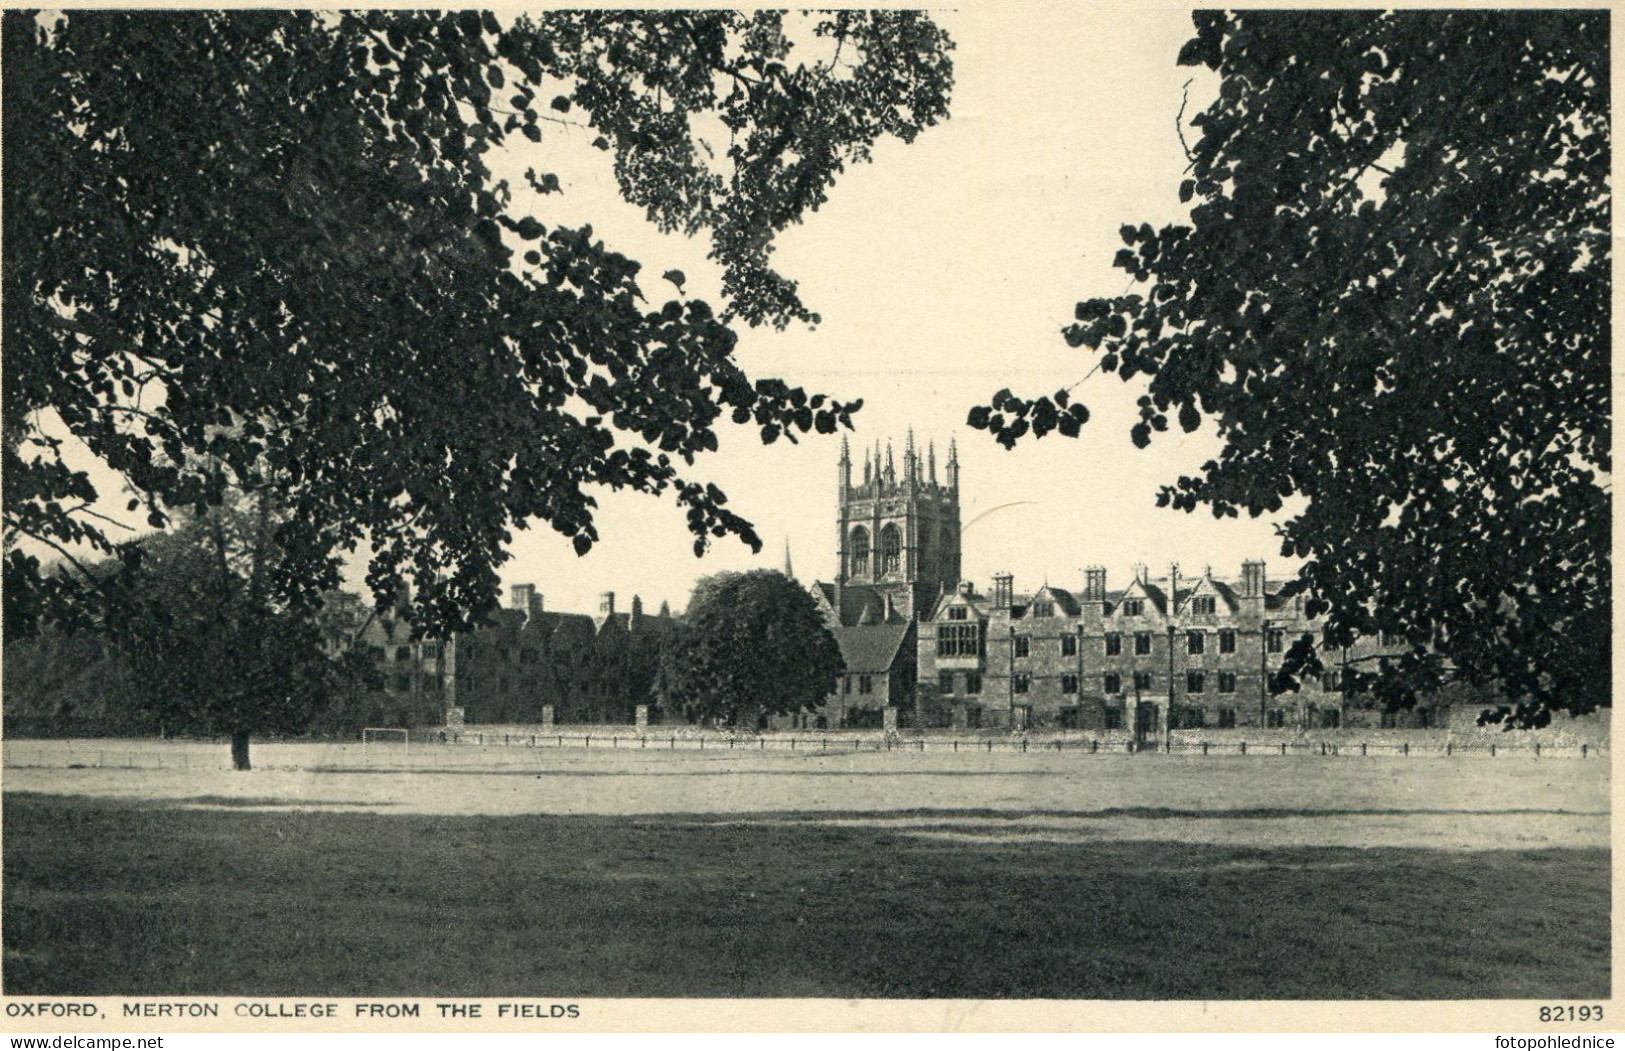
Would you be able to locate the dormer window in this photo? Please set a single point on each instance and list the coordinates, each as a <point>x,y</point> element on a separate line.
<point>1133,607</point>
<point>1043,609</point>
<point>1204,604</point>
<point>958,613</point>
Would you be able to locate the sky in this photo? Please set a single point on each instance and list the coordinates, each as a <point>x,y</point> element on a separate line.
<point>944,270</point>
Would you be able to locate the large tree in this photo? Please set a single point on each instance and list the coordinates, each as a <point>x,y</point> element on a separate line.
<point>1392,302</point>
<point>252,243</point>
<point>751,644</point>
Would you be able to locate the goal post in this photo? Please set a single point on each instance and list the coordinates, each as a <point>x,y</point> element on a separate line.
<point>386,739</point>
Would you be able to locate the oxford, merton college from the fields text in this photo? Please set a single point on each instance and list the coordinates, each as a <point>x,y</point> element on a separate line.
<point>1176,650</point>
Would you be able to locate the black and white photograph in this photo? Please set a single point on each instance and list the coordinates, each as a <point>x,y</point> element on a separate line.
<point>534,508</point>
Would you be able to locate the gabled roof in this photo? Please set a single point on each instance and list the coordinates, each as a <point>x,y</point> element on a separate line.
<point>871,648</point>
<point>1065,602</point>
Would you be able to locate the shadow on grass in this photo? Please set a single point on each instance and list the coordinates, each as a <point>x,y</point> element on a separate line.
<point>117,898</point>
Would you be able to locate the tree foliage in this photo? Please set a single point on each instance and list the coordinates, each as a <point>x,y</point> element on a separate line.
<point>209,649</point>
<point>1392,301</point>
<point>752,643</point>
<point>270,243</point>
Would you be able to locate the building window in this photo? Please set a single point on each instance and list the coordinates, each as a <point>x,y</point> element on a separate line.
<point>1192,719</point>
<point>1424,718</point>
<point>402,683</point>
<point>1024,646</point>
<point>1114,645</point>
<point>431,649</point>
<point>1204,604</point>
<point>1069,684</point>
<point>1227,641</point>
<point>860,550</point>
<point>403,653</point>
<point>1227,718</point>
<point>1331,719</point>
<point>1142,681</point>
<point>945,682</point>
<point>1275,718</point>
<point>1142,643</point>
<point>1388,720</point>
<point>1043,609</point>
<point>1113,718</point>
<point>1133,607</point>
<point>1069,645</point>
<point>1112,683</point>
<point>958,613</point>
<point>1332,679</point>
<point>1227,682</point>
<point>973,682</point>
<point>959,640</point>
<point>891,549</point>
<point>1196,642</point>
<point>1391,639</point>
<point>1276,640</point>
<point>1022,682</point>
<point>1195,682</point>
<point>865,684</point>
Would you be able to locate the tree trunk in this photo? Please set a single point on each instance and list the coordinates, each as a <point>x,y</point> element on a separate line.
<point>239,750</point>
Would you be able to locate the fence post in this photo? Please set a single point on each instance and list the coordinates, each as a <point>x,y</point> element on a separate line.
<point>589,741</point>
<point>614,742</point>
<point>1362,748</point>
<point>702,742</point>
<point>1492,749</point>
<point>1204,748</point>
<point>1094,745</point>
<point>1537,749</point>
<point>990,744</point>
<point>1583,748</point>
<point>956,745</point>
<point>1023,746</point>
<point>792,744</point>
<point>1449,747</point>
<point>1405,748</point>
<point>1244,748</point>
<point>922,744</point>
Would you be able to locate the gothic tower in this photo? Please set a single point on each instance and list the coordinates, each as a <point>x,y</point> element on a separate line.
<point>898,530</point>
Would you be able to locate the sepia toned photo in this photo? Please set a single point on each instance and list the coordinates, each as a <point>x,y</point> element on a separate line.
<point>522,508</point>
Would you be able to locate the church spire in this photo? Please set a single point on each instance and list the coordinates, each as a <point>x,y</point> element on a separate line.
<point>891,467</point>
<point>953,464</point>
<point>931,461</point>
<point>789,570</point>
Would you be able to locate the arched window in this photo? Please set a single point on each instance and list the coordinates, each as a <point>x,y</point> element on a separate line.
<point>891,549</point>
<point>860,551</point>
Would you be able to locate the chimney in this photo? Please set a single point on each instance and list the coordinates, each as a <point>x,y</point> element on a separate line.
<point>521,596</point>
<point>637,612</point>
<point>1173,585</point>
<point>537,604</point>
<point>1139,573</point>
<point>1003,590</point>
<point>1252,579</point>
<point>1094,584</point>
<point>606,604</point>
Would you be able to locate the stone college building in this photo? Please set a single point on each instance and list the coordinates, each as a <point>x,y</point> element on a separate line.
<point>1180,650</point>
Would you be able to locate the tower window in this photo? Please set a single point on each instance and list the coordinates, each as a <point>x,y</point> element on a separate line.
<point>860,550</point>
<point>891,549</point>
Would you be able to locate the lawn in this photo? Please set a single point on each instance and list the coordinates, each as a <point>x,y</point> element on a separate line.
<point>141,898</point>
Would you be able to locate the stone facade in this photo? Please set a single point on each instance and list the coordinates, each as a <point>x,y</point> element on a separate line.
<point>1177,651</point>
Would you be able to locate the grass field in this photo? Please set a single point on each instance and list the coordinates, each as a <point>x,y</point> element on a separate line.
<point>928,891</point>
